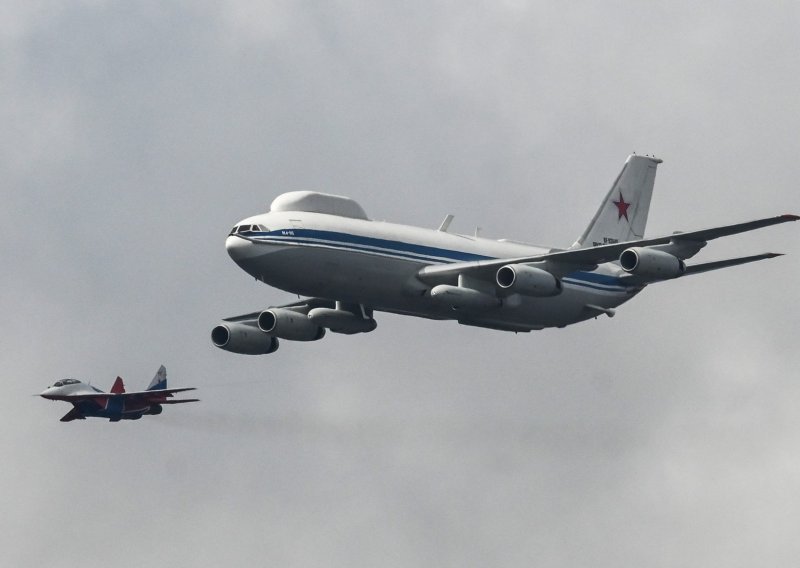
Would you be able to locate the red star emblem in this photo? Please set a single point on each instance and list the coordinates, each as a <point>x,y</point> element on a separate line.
<point>622,208</point>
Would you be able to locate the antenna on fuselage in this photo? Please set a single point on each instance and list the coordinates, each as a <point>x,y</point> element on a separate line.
<point>445,224</point>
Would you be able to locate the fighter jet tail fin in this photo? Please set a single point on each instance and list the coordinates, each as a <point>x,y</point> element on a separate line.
<point>159,382</point>
<point>118,387</point>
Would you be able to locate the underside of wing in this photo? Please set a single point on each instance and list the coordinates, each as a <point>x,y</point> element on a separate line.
<point>74,414</point>
<point>302,306</point>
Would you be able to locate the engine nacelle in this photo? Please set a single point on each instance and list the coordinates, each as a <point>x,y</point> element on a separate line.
<point>528,280</point>
<point>155,409</point>
<point>341,321</point>
<point>288,324</point>
<point>461,298</point>
<point>243,339</point>
<point>651,263</point>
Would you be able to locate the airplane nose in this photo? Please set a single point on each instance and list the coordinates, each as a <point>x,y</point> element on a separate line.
<point>245,254</point>
<point>238,248</point>
<point>46,393</point>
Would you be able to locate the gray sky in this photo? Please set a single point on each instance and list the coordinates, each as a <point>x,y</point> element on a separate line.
<point>135,135</point>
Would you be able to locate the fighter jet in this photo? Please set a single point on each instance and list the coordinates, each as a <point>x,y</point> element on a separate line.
<point>117,404</point>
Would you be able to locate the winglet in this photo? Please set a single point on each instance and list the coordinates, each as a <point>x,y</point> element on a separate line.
<point>118,387</point>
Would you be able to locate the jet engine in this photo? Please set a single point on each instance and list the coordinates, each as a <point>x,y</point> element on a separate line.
<point>243,339</point>
<point>528,280</point>
<point>651,263</point>
<point>289,324</point>
<point>155,409</point>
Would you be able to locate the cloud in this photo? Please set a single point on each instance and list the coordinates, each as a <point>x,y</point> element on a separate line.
<point>136,136</point>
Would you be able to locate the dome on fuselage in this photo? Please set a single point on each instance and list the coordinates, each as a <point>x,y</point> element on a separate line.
<point>315,202</point>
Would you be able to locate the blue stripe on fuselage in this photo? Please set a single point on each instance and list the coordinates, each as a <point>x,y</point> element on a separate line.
<point>408,251</point>
<point>366,244</point>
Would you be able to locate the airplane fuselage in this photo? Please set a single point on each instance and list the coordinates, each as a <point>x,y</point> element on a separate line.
<point>376,264</point>
<point>89,401</point>
<point>111,406</point>
<point>324,247</point>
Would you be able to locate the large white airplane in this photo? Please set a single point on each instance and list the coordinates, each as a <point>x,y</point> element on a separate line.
<point>324,247</point>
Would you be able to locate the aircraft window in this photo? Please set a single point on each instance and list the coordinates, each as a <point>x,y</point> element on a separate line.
<point>244,229</point>
<point>233,231</point>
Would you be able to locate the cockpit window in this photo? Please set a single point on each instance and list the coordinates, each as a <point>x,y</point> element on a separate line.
<point>241,229</point>
<point>63,382</point>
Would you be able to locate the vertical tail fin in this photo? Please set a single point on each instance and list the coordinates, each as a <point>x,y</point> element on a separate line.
<point>118,387</point>
<point>159,382</point>
<point>623,214</point>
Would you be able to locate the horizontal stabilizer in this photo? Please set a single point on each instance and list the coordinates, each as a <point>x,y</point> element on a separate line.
<point>179,401</point>
<point>167,392</point>
<point>698,268</point>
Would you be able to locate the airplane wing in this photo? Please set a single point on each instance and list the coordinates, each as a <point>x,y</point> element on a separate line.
<point>564,261</point>
<point>74,414</point>
<point>154,395</point>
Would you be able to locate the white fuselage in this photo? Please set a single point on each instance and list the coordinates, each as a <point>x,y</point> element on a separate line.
<point>375,264</point>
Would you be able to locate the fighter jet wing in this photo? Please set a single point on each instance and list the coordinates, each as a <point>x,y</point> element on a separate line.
<point>590,257</point>
<point>73,414</point>
<point>154,395</point>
